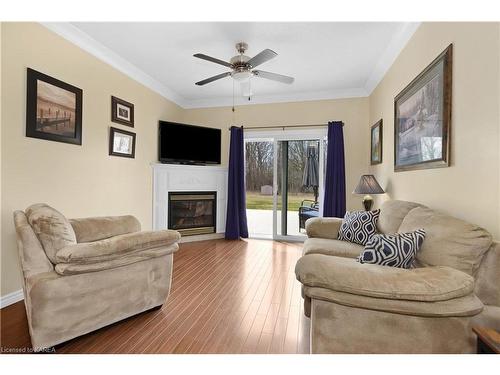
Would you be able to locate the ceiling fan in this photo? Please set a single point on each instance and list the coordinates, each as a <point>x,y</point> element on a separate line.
<point>242,65</point>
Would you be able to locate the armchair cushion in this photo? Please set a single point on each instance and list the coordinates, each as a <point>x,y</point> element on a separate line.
<point>99,228</point>
<point>51,227</point>
<point>418,284</point>
<point>448,241</point>
<point>332,247</point>
<point>323,227</point>
<point>116,247</point>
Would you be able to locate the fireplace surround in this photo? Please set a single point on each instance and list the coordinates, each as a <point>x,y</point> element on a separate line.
<point>173,178</point>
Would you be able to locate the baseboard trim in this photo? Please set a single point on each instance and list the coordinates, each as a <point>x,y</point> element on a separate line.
<point>11,298</point>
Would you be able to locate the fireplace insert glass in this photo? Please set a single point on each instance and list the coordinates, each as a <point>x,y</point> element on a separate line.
<point>192,213</point>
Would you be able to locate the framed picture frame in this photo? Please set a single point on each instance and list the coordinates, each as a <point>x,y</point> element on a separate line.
<point>121,143</point>
<point>122,112</point>
<point>422,118</point>
<point>376,135</point>
<point>53,109</point>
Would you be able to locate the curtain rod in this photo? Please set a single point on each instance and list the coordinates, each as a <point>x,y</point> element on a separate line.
<point>285,126</point>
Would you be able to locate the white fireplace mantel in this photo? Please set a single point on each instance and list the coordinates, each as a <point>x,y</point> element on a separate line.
<point>184,178</point>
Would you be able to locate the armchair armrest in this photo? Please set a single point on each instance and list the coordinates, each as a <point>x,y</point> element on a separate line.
<point>339,274</point>
<point>117,247</point>
<point>323,227</point>
<point>67,269</point>
<point>91,229</point>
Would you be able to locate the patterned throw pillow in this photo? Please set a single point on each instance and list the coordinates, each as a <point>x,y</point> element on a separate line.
<point>394,250</point>
<point>358,226</point>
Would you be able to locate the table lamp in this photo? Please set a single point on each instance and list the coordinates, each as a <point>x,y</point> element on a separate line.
<point>368,185</point>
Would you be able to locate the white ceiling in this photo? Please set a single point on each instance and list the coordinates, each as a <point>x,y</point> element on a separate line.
<point>328,60</point>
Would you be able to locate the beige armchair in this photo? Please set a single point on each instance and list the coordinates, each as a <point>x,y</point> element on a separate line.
<point>365,308</point>
<point>83,274</point>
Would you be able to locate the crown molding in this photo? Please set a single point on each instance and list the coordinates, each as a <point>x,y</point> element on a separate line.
<point>396,45</point>
<point>103,53</point>
<point>278,98</point>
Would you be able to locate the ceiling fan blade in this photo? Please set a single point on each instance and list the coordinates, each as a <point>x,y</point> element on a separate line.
<point>273,76</point>
<point>214,78</point>
<point>213,59</point>
<point>261,58</point>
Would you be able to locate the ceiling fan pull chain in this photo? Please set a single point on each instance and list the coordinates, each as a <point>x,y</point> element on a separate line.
<point>234,121</point>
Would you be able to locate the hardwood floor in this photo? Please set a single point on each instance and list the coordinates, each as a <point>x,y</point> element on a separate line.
<point>226,297</point>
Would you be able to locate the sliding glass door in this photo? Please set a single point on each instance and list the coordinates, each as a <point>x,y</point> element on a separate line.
<point>259,164</point>
<point>284,181</point>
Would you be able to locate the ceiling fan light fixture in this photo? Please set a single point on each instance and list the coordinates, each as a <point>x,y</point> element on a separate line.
<point>246,89</point>
<point>242,67</point>
<point>241,76</point>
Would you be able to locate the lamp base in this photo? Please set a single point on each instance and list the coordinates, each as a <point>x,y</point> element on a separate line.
<point>367,202</point>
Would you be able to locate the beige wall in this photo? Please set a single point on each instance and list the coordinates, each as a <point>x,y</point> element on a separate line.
<point>353,112</point>
<point>78,180</point>
<point>470,187</point>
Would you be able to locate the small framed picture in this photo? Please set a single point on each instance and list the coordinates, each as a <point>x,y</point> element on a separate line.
<point>122,112</point>
<point>53,109</point>
<point>121,143</point>
<point>376,143</point>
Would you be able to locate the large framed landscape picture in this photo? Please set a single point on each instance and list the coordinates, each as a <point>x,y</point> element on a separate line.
<point>53,109</point>
<point>422,118</point>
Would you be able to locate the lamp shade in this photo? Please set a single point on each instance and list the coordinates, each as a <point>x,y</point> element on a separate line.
<point>368,185</point>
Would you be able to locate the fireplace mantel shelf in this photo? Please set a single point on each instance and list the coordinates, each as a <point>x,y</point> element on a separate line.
<point>189,166</point>
<point>188,178</point>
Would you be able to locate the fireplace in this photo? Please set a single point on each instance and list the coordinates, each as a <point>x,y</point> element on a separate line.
<point>192,213</point>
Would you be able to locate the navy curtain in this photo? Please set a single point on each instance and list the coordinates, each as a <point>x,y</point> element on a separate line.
<point>334,200</point>
<point>236,217</point>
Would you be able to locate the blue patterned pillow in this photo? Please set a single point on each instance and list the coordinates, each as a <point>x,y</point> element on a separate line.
<point>358,226</point>
<point>394,250</point>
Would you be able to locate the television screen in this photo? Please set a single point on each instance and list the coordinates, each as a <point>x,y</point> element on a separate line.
<point>181,143</point>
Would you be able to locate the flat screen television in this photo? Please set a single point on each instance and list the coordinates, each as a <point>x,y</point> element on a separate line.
<point>188,144</point>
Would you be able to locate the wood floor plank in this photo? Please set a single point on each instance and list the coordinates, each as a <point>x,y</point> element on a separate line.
<point>226,297</point>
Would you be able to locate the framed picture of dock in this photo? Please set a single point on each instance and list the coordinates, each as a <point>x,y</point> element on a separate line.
<point>422,118</point>
<point>53,109</point>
